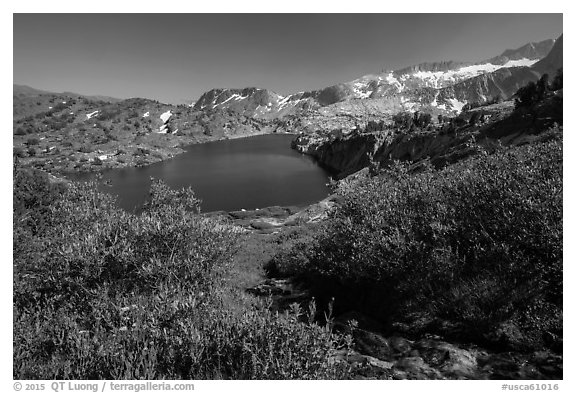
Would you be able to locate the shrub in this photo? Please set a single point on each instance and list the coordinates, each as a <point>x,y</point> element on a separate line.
<point>141,151</point>
<point>478,243</point>
<point>532,93</point>
<point>86,149</point>
<point>100,293</point>
<point>18,152</point>
<point>403,120</point>
<point>108,114</point>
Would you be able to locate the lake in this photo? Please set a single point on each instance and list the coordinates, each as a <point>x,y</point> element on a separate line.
<point>246,173</point>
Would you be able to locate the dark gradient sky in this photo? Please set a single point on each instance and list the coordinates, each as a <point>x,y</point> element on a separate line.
<point>176,57</point>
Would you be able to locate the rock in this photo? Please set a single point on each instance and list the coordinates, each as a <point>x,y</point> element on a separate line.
<point>373,344</point>
<point>374,362</point>
<point>501,366</point>
<point>452,361</point>
<point>415,368</point>
<point>400,344</point>
<point>460,363</point>
<point>509,335</point>
<point>350,356</point>
<point>271,286</point>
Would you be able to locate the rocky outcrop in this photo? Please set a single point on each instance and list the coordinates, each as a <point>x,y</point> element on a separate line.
<point>373,355</point>
<point>341,156</point>
<point>347,155</point>
<point>432,357</point>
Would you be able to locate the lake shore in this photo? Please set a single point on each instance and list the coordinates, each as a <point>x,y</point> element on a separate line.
<point>239,173</point>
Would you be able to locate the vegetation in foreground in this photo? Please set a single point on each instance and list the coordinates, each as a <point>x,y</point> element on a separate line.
<point>103,294</point>
<point>472,251</point>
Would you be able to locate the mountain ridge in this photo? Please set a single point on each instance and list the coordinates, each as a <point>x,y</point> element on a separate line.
<point>27,91</point>
<point>406,83</point>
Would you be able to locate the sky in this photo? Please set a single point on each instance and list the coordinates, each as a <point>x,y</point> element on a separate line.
<point>174,58</point>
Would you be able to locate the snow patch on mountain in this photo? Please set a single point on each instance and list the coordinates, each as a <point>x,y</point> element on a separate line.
<point>146,114</point>
<point>233,96</point>
<point>456,105</point>
<point>439,79</point>
<point>520,63</point>
<point>165,116</point>
<point>393,81</point>
<point>283,102</point>
<point>91,115</point>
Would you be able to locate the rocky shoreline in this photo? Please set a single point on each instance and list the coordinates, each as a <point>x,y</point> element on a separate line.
<point>273,219</point>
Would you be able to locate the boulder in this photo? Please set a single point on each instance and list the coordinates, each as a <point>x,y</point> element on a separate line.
<point>400,345</point>
<point>415,368</point>
<point>373,344</point>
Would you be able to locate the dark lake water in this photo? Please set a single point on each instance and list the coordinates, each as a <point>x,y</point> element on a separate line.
<point>229,175</point>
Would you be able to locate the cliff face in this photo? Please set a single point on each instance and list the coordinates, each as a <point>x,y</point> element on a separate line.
<point>350,154</point>
<point>340,156</point>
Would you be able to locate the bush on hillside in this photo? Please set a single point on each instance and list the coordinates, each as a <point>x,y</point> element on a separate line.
<point>530,94</point>
<point>33,141</point>
<point>478,244</point>
<point>108,114</point>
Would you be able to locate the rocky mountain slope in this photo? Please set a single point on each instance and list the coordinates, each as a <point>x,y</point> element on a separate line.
<point>553,60</point>
<point>442,143</point>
